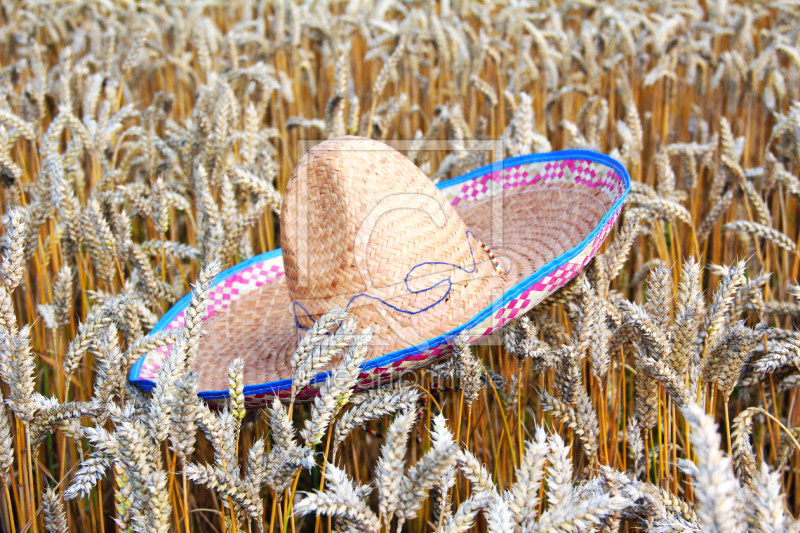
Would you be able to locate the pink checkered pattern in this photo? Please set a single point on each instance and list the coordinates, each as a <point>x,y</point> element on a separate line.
<point>586,173</point>
<point>550,283</point>
<point>221,296</point>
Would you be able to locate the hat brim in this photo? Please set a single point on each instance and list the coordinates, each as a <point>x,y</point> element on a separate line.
<point>554,170</point>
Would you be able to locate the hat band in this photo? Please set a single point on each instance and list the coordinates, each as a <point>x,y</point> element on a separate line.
<point>392,296</point>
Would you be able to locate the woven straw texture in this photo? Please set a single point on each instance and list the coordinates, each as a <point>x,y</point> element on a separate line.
<point>363,228</point>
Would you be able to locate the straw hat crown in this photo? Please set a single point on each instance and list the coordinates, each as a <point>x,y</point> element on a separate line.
<point>362,224</point>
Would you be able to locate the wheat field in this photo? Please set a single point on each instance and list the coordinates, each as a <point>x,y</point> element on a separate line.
<point>144,146</point>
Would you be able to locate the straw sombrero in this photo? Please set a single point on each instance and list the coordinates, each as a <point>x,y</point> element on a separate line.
<point>362,228</point>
